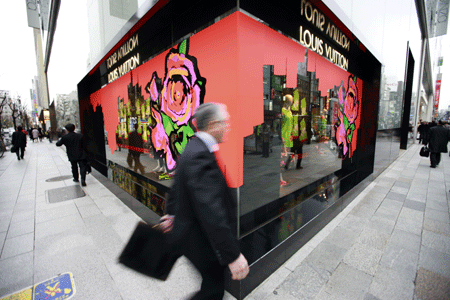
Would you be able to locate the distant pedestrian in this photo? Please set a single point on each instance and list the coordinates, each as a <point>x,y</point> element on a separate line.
<point>76,152</point>
<point>19,141</point>
<point>50,134</point>
<point>424,130</point>
<point>40,134</point>
<point>35,134</point>
<point>438,140</point>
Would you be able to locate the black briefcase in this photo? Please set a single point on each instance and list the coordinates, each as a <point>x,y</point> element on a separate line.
<point>148,252</point>
<point>424,151</point>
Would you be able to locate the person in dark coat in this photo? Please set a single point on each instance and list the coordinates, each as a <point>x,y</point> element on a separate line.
<point>134,152</point>
<point>19,141</point>
<point>201,211</point>
<point>76,152</point>
<point>438,140</point>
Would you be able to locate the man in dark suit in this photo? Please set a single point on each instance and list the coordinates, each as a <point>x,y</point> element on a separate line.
<point>75,152</point>
<point>438,140</point>
<point>19,140</point>
<point>201,212</point>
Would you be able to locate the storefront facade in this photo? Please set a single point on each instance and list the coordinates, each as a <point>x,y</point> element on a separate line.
<point>292,166</point>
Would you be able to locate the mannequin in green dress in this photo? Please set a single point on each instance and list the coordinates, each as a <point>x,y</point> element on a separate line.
<point>286,132</point>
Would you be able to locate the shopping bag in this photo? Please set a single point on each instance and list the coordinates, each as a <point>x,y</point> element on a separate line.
<point>148,252</point>
<point>424,151</point>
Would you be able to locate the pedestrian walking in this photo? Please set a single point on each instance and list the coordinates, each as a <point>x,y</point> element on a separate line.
<point>50,134</point>
<point>438,140</point>
<point>19,141</point>
<point>201,215</point>
<point>76,152</point>
<point>35,134</point>
<point>40,134</point>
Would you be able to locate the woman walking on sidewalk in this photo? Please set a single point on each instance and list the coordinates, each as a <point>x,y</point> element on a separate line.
<point>19,141</point>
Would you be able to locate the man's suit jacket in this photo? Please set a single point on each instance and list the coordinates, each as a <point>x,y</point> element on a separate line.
<point>19,139</point>
<point>438,139</point>
<point>74,145</point>
<point>202,204</point>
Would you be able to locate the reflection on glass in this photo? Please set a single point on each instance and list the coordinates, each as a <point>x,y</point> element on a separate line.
<point>304,137</point>
<point>391,103</point>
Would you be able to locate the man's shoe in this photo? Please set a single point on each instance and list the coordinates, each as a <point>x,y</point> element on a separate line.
<point>83,183</point>
<point>433,166</point>
<point>76,180</point>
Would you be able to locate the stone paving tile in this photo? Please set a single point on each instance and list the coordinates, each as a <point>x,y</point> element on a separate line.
<point>406,240</point>
<point>363,257</point>
<point>56,213</point>
<point>59,225</point>
<point>437,205</point>
<point>396,196</point>
<point>437,227</point>
<point>2,239</point>
<point>387,214</point>
<point>346,283</point>
<point>402,261</point>
<point>417,196</point>
<point>430,285</point>
<point>21,228</point>
<point>20,216</point>
<point>387,284</point>
<point>353,223</point>
<point>18,275</point>
<point>412,214</point>
<point>400,190</point>
<point>416,205</point>
<point>363,210</point>
<point>18,245</point>
<point>89,211</point>
<point>381,225</point>
<point>434,261</point>
<point>305,282</point>
<point>391,204</point>
<point>436,241</point>
<point>437,215</point>
<point>403,182</point>
<point>326,256</point>
<point>373,238</point>
<point>409,225</point>
<point>342,237</point>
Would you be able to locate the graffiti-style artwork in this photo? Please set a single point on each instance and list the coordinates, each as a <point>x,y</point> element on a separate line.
<point>347,115</point>
<point>161,124</point>
<point>173,102</point>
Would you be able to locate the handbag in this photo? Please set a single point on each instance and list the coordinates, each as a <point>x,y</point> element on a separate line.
<point>425,151</point>
<point>13,149</point>
<point>88,168</point>
<point>148,252</point>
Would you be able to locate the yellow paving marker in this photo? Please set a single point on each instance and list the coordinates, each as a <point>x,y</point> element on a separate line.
<point>58,288</point>
<point>26,294</point>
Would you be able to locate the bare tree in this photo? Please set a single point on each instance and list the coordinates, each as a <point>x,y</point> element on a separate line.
<point>16,109</point>
<point>25,117</point>
<point>3,101</point>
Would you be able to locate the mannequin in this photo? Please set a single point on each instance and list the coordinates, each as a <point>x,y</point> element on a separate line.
<point>286,132</point>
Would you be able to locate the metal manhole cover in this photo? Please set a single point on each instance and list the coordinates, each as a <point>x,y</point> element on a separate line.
<point>65,193</point>
<point>59,178</point>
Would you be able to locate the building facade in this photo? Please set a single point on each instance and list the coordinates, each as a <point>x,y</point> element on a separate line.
<point>292,168</point>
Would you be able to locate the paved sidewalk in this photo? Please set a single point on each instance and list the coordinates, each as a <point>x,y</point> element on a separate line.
<point>391,242</point>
